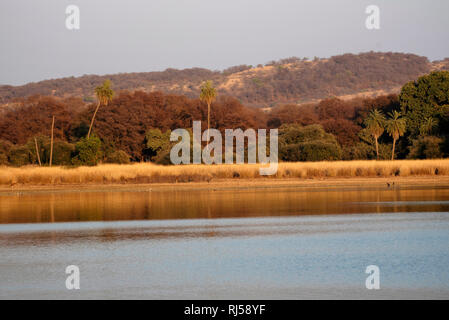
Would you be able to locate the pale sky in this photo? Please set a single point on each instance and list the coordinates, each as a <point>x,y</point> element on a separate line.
<point>152,35</point>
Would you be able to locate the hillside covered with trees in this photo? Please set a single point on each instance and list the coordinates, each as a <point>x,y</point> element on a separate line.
<point>291,80</point>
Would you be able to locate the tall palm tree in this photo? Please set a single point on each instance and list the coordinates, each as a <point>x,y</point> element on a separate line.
<point>208,95</point>
<point>104,94</point>
<point>396,127</point>
<point>375,123</point>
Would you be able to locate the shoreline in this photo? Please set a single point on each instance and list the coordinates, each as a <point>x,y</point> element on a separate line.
<point>148,176</point>
<point>331,183</point>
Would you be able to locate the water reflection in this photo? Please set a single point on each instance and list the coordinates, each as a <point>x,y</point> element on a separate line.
<point>151,205</point>
<point>92,232</point>
<point>259,258</point>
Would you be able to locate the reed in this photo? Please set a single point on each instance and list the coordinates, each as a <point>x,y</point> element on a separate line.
<point>150,173</point>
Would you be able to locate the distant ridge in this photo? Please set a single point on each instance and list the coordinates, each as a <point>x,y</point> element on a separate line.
<point>291,80</point>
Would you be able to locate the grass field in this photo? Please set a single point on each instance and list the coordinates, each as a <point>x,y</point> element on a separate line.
<point>150,173</point>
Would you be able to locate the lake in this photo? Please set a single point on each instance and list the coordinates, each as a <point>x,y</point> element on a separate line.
<point>266,243</point>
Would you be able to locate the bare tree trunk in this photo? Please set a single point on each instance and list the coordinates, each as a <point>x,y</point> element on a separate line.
<point>208,124</point>
<point>92,121</point>
<point>37,152</point>
<point>208,120</point>
<point>377,148</point>
<point>51,140</point>
<point>394,145</point>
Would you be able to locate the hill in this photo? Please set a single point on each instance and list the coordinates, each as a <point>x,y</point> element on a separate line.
<point>290,80</point>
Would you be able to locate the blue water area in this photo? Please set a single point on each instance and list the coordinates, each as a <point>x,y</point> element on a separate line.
<point>303,257</point>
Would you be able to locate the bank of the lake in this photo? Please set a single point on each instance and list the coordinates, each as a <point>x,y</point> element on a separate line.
<point>239,184</point>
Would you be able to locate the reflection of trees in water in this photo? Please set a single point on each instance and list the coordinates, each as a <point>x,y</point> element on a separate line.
<point>52,208</point>
<point>209,204</point>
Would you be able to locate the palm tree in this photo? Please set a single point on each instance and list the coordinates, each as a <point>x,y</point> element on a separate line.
<point>428,125</point>
<point>396,127</point>
<point>104,94</point>
<point>208,95</point>
<point>375,123</point>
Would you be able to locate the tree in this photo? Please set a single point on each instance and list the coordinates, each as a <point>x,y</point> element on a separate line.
<point>34,117</point>
<point>20,155</point>
<point>104,94</point>
<point>375,123</point>
<point>208,95</point>
<point>88,151</point>
<point>426,147</point>
<point>427,97</point>
<point>156,142</point>
<point>309,143</point>
<point>396,127</point>
<point>41,148</point>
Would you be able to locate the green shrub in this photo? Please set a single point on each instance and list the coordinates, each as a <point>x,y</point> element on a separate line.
<point>295,133</point>
<point>87,152</point>
<point>320,151</point>
<point>365,151</point>
<point>62,153</point>
<point>290,152</point>
<point>309,143</point>
<point>360,151</point>
<point>43,144</point>
<point>156,144</point>
<point>21,155</point>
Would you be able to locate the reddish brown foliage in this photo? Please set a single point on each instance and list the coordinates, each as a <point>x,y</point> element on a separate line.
<point>34,117</point>
<point>302,114</point>
<point>335,108</point>
<point>123,123</point>
<point>344,130</point>
<point>126,119</point>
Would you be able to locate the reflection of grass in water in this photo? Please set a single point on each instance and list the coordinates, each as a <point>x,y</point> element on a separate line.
<point>209,204</point>
<point>150,173</point>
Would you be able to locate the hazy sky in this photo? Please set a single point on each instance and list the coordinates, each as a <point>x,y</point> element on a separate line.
<point>150,35</point>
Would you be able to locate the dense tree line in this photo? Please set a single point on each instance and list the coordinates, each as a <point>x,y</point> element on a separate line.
<point>135,126</point>
<point>121,125</point>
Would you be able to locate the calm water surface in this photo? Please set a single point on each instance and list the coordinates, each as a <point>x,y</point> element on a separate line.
<point>261,243</point>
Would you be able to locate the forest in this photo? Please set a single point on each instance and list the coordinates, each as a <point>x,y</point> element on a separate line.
<point>135,126</point>
<point>291,80</point>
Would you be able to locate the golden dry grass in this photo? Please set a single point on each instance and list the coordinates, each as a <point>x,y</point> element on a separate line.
<point>150,173</point>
